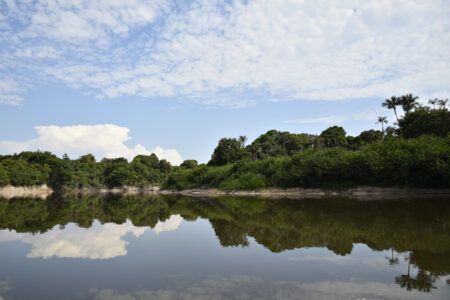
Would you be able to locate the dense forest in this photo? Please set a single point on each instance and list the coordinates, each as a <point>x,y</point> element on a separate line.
<point>413,152</point>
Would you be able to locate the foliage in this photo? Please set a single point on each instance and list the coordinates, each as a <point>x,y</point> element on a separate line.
<point>421,162</point>
<point>278,143</point>
<point>29,168</point>
<point>333,137</point>
<point>227,151</point>
<point>425,121</point>
<point>189,164</point>
<point>246,181</point>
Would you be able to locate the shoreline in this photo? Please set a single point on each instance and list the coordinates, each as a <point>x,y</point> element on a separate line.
<point>33,191</point>
<point>360,193</point>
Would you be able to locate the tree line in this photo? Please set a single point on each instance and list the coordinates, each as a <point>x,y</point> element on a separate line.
<point>414,151</point>
<point>30,168</point>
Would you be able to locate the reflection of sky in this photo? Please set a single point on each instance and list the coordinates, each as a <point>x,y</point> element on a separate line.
<point>190,263</point>
<point>244,287</point>
<point>98,242</point>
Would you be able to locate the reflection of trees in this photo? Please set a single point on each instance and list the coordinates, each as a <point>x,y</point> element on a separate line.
<point>422,282</point>
<point>392,260</point>
<point>421,227</point>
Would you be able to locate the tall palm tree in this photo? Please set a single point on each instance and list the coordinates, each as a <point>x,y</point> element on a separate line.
<point>242,140</point>
<point>408,103</point>
<point>382,120</point>
<point>433,102</point>
<point>392,104</point>
<point>442,103</point>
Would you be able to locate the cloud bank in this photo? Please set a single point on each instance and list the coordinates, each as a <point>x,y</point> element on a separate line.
<point>104,140</point>
<point>227,52</point>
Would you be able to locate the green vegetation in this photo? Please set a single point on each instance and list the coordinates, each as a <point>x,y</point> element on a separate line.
<point>414,152</point>
<point>28,168</point>
<point>420,162</point>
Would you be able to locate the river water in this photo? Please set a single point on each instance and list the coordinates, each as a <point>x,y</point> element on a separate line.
<point>167,247</point>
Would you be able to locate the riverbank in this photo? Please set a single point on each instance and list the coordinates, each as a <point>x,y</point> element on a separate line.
<point>360,193</point>
<point>34,191</point>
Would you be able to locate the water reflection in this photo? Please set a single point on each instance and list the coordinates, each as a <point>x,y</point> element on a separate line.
<point>409,237</point>
<point>244,287</point>
<point>98,242</point>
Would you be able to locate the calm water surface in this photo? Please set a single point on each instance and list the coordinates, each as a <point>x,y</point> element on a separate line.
<point>143,247</point>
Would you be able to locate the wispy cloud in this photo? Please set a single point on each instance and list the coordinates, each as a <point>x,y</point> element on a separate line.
<point>201,49</point>
<point>327,120</point>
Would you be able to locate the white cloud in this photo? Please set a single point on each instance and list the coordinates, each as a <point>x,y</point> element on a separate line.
<point>105,140</point>
<point>98,242</point>
<point>78,21</point>
<point>202,50</point>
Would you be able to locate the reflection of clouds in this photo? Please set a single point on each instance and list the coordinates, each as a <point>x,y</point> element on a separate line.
<point>337,259</point>
<point>98,242</point>
<point>5,287</point>
<point>168,225</point>
<point>243,287</point>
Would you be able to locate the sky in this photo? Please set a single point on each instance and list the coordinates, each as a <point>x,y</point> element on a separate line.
<point>170,77</point>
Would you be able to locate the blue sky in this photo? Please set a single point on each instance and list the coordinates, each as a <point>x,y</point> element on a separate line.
<point>118,78</point>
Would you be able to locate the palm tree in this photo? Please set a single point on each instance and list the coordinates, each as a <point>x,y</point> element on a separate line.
<point>392,104</point>
<point>382,120</point>
<point>433,102</point>
<point>442,103</point>
<point>242,140</point>
<point>408,103</point>
<point>392,260</point>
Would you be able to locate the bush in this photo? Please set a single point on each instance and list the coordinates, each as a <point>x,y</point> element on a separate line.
<point>246,181</point>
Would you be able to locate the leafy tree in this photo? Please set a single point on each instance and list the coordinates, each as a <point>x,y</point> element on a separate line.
<point>147,170</point>
<point>370,136</point>
<point>86,171</point>
<point>227,151</point>
<point>150,161</point>
<point>164,166</point>
<point>119,176</point>
<point>115,171</point>
<point>425,121</point>
<point>278,143</point>
<point>334,137</point>
<point>189,164</point>
<point>62,174</point>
